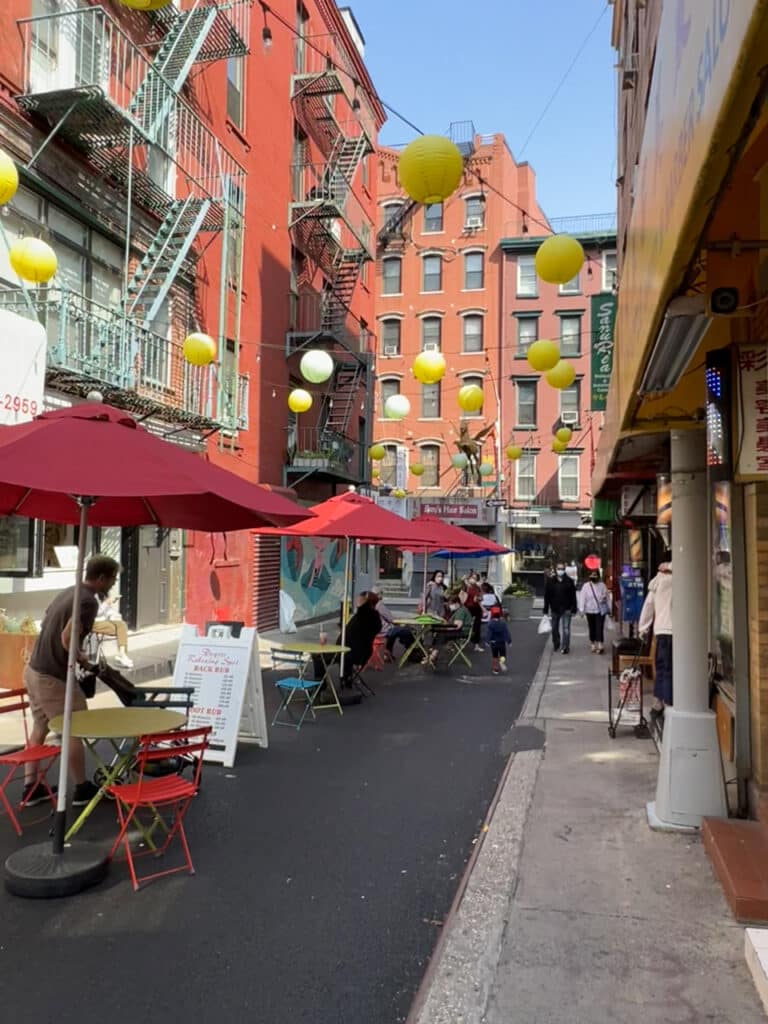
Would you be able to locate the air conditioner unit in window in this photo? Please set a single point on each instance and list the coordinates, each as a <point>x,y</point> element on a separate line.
<point>629,69</point>
<point>638,501</point>
<point>391,351</point>
<point>431,346</point>
<point>474,222</point>
<point>569,417</point>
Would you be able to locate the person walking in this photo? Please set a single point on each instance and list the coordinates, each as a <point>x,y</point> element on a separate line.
<point>593,602</point>
<point>656,614</point>
<point>472,598</point>
<point>498,638</point>
<point>560,605</point>
<point>434,596</point>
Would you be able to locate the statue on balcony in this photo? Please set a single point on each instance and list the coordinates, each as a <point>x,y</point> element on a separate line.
<point>472,447</point>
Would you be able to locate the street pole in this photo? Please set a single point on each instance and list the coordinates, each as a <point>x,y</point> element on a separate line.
<point>690,783</point>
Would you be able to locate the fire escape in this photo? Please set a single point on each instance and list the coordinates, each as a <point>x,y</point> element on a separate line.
<point>334,233</point>
<point>119,102</point>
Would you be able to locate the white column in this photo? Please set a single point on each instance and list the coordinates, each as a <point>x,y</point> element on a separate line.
<point>690,783</point>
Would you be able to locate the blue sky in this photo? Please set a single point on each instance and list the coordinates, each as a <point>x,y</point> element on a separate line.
<point>497,63</point>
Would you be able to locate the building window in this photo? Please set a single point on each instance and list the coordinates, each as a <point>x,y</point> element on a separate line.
<point>569,404</point>
<point>364,173</point>
<point>389,386</point>
<point>433,218</point>
<point>388,466</point>
<point>391,271</point>
<point>568,477</point>
<point>472,333</point>
<point>526,403</point>
<point>572,287</point>
<point>526,277</point>
<point>525,478</point>
<point>390,214</point>
<point>432,274</point>
<point>429,457</point>
<point>390,336</point>
<point>527,333</point>
<point>570,335</point>
<point>609,270</point>
<point>474,212</point>
<point>431,331</point>
<point>235,91</point>
<point>473,271</point>
<point>479,381</point>
<point>430,401</point>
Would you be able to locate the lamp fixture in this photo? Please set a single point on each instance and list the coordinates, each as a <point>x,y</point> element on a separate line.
<point>266,32</point>
<point>684,325</point>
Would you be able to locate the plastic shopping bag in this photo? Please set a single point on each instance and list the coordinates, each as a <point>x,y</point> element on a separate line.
<point>545,626</point>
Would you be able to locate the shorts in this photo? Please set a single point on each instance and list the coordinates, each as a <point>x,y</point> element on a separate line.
<point>498,650</point>
<point>46,696</point>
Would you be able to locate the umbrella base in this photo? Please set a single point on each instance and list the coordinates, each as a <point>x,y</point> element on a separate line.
<point>36,872</point>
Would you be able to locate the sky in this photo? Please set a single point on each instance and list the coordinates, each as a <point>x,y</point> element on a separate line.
<point>497,63</point>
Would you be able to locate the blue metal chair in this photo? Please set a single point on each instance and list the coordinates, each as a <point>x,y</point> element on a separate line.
<point>292,686</point>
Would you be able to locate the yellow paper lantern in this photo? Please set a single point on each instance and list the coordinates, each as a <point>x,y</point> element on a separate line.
<point>375,472</point>
<point>299,400</point>
<point>398,493</point>
<point>564,434</point>
<point>377,452</point>
<point>562,375</point>
<point>559,446</point>
<point>430,169</point>
<point>429,367</point>
<point>559,259</point>
<point>417,469</point>
<point>32,259</point>
<point>9,178</point>
<point>199,349</point>
<point>145,5</point>
<point>513,452</point>
<point>542,355</point>
<point>471,398</point>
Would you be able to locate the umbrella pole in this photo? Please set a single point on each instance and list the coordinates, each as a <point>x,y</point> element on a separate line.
<point>60,819</point>
<point>424,588</point>
<point>344,608</point>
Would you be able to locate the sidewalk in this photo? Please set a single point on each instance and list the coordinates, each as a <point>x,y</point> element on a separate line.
<point>574,910</point>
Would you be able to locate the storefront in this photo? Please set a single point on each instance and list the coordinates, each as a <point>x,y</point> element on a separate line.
<point>541,538</point>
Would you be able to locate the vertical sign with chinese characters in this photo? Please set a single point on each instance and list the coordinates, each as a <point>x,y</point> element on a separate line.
<point>603,319</point>
<point>752,412</point>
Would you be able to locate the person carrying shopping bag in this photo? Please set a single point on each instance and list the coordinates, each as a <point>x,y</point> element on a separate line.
<point>560,604</point>
<point>594,603</point>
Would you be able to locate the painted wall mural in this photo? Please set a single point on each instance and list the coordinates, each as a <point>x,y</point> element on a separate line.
<point>312,573</point>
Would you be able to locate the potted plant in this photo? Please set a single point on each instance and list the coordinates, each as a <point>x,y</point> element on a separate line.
<point>309,460</point>
<point>17,638</point>
<point>517,600</point>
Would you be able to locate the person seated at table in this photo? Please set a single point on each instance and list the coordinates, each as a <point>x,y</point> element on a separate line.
<point>459,623</point>
<point>109,622</point>
<point>45,677</point>
<point>362,629</point>
<point>391,631</point>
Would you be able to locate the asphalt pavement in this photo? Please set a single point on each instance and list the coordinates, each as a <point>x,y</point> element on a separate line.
<point>326,866</point>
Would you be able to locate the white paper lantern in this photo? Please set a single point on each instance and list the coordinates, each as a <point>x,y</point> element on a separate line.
<point>396,407</point>
<point>316,366</point>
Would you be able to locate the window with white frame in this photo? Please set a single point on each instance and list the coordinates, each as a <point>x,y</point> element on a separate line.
<point>391,275</point>
<point>389,386</point>
<point>570,334</point>
<point>526,403</point>
<point>432,273</point>
<point>431,332</point>
<point>430,401</point>
<point>569,404</point>
<point>433,218</point>
<point>572,287</point>
<point>568,477</point>
<point>527,333</point>
<point>609,270</point>
<point>526,277</point>
<point>474,212</point>
<point>479,381</point>
<point>474,271</point>
<point>525,478</point>
<point>472,332</point>
<point>390,213</point>
<point>429,456</point>
<point>235,90</point>
<point>390,336</point>
<point>388,466</point>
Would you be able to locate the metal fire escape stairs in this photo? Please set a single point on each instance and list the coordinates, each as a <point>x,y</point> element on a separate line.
<point>339,403</point>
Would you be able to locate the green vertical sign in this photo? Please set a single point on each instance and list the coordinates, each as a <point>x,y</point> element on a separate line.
<point>603,319</point>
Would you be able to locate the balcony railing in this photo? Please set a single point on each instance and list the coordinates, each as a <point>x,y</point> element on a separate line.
<point>314,313</point>
<point>311,448</point>
<point>228,35</point>
<point>320,193</point>
<point>90,346</point>
<point>594,223</point>
<point>82,70</point>
<point>324,68</point>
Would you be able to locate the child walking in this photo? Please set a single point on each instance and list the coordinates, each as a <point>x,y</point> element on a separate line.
<point>498,638</point>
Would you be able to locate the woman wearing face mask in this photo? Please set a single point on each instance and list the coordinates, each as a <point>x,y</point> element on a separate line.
<point>434,597</point>
<point>593,602</point>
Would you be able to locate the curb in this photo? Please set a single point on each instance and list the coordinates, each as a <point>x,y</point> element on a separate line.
<point>457,983</point>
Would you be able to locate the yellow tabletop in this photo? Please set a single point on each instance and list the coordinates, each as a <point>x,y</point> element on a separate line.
<point>312,647</point>
<point>117,723</point>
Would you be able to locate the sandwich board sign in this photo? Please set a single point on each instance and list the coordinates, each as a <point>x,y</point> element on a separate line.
<point>225,673</point>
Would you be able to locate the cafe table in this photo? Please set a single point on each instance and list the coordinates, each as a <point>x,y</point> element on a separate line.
<point>324,651</point>
<point>122,729</point>
<point>419,625</point>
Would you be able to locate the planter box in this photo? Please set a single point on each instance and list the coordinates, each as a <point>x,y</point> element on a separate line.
<point>307,462</point>
<point>517,608</point>
<point>15,649</point>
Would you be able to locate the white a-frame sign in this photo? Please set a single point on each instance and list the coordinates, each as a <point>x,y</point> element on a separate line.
<point>228,694</point>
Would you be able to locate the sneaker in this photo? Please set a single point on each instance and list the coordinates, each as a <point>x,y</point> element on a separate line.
<point>479,647</point>
<point>565,651</point>
<point>503,663</point>
<point>593,648</point>
<point>494,671</point>
<point>123,661</point>
<point>35,793</point>
<point>84,793</point>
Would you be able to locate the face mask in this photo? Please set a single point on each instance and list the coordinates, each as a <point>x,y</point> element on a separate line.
<point>560,572</point>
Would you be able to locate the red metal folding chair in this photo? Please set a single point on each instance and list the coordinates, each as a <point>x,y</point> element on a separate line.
<point>172,792</point>
<point>376,661</point>
<point>42,756</point>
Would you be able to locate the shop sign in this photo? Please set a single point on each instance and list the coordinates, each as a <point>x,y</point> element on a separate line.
<point>603,319</point>
<point>446,510</point>
<point>752,412</point>
<point>23,348</point>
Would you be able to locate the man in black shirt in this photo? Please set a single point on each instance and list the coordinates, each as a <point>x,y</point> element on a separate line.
<point>560,605</point>
<point>45,677</point>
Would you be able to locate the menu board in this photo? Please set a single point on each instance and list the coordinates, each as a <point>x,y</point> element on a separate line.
<point>228,695</point>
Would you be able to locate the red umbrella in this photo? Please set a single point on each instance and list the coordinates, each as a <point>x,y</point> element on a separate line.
<point>455,539</point>
<point>94,465</point>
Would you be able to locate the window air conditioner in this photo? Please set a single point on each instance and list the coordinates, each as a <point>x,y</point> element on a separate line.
<point>391,351</point>
<point>430,346</point>
<point>474,222</point>
<point>569,417</point>
<point>629,71</point>
<point>638,501</point>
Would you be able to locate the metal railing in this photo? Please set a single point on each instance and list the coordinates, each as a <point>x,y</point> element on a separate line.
<point>315,313</point>
<point>593,223</point>
<point>325,193</point>
<point>326,55</point>
<point>314,448</point>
